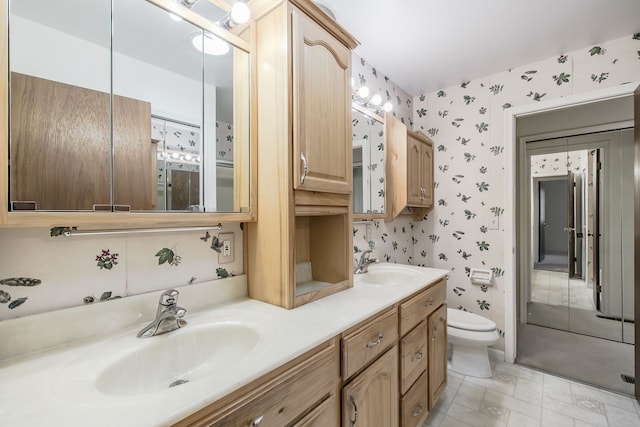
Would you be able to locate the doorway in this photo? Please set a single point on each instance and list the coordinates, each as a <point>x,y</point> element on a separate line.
<point>576,283</point>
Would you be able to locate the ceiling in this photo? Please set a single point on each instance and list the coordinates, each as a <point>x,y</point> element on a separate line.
<point>426,45</point>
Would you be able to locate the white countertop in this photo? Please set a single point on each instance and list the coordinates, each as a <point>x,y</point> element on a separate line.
<point>55,386</point>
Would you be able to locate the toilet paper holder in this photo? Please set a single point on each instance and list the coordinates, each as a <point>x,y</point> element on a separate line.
<point>481,276</point>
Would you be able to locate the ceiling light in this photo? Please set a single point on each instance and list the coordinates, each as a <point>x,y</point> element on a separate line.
<point>240,13</point>
<point>210,44</point>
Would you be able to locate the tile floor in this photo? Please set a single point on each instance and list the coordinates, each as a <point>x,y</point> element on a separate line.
<point>551,287</point>
<point>520,397</point>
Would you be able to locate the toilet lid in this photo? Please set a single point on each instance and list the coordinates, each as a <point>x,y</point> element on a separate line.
<point>468,321</point>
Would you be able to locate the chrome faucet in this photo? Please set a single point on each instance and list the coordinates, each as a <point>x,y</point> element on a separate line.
<point>364,262</point>
<point>169,316</point>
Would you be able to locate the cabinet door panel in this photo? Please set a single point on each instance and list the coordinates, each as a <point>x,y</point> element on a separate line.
<point>371,399</point>
<point>321,109</point>
<point>324,415</point>
<point>437,354</point>
<point>427,173</point>
<point>414,172</point>
<point>413,356</point>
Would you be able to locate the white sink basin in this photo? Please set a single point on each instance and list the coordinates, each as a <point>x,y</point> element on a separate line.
<point>388,274</point>
<point>178,357</point>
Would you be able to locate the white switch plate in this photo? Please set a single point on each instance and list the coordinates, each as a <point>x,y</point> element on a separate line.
<point>494,223</point>
<point>226,255</point>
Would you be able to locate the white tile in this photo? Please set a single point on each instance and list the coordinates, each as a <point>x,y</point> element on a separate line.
<point>574,412</point>
<point>606,397</point>
<point>500,382</point>
<point>551,418</point>
<point>470,395</point>
<point>532,410</point>
<point>530,391</point>
<point>556,388</point>
<point>519,420</point>
<point>472,417</point>
<point>620,418</point>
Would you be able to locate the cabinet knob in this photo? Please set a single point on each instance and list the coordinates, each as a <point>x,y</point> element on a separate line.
<point>419,410</point>
<point>429,303</point>
<point>256,422</point>
<point>304,168</point>
<point>376,342</point>
<point>355,410</point>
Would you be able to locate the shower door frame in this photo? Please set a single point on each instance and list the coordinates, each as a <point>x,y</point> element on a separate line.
<point>510,240</point>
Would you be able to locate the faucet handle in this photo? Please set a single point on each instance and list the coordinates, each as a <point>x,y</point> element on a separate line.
<point>169,297</point>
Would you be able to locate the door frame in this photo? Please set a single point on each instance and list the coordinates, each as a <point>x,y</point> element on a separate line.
<point>510,238</point>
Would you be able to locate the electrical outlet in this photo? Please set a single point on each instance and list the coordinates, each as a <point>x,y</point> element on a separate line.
<point>226,254</point>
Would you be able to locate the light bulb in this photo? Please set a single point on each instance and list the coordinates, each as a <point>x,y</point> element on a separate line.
<point>363,92</point>
<point>240,13</point>
<point>388,106</point>
<point>376,100</point>
<point>188,157</point>
<point>175,155</point>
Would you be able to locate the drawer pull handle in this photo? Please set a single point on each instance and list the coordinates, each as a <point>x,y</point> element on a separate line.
<point>256,422</point>
<point>355,410</point>
<point>419,411</point>
<point>429,303</point>
<point>417,356</point>
<point>376,342</point>
<point>304,168</point>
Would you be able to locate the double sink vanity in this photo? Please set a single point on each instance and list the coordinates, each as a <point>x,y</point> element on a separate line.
<point>375,351</point>
<point>298,339</point>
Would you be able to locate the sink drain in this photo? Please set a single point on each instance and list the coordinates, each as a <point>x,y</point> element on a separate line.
<point>178,382</point>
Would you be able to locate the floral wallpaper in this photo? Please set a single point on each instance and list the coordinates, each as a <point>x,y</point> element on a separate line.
<point>466,123</point>
<point>41,270</point>
<point>224,141</point>
<point>558,163</point>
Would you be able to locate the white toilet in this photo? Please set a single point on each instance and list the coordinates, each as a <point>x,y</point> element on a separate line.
<point>469,335</point>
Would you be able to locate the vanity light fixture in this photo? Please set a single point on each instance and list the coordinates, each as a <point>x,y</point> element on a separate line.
<point>210,44</point>
<point>361,97</point>
<point>237,15</point>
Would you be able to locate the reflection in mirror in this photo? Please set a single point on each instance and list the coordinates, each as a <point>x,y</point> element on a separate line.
<point>122,107</point>
<point>368,163</point>
<point>580,203</point>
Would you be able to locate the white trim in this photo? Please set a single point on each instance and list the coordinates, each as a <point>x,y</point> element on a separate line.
<point>510,141</point>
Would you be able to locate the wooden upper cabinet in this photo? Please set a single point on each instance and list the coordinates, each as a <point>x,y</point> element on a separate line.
<point>409,170</point>
<point>321,109</point>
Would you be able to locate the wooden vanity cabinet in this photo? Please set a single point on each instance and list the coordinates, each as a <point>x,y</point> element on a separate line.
<point>301,393</point>
<point>423,353</point>
<point>370,373</point>
<point>300,248</point>
<point>409,170</point>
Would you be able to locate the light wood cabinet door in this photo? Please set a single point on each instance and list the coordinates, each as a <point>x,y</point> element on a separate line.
<point>414,172</point>
<point>371,399</point>
<point>321,109</point>
<point>437,322</point>
<point>426,168</point>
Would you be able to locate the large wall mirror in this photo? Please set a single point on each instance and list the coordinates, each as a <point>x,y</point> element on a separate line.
<point>119,105</point>
<point>368,164</point>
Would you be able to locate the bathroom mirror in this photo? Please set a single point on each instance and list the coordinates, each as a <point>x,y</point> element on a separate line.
<point>368,163</point>
<point>118,105</point>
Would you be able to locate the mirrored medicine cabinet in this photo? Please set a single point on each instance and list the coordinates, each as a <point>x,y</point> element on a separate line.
<point>369,143</point>
<point>131,112</point>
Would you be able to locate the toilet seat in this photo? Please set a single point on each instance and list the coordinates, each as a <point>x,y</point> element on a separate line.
<point>467,321</point>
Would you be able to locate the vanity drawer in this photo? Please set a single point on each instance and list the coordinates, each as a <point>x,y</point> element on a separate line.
<point>413,356</point>
<point>413,406</point>
<point>363,345</point>
<point>281,400</point>
<point>419,307</point>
